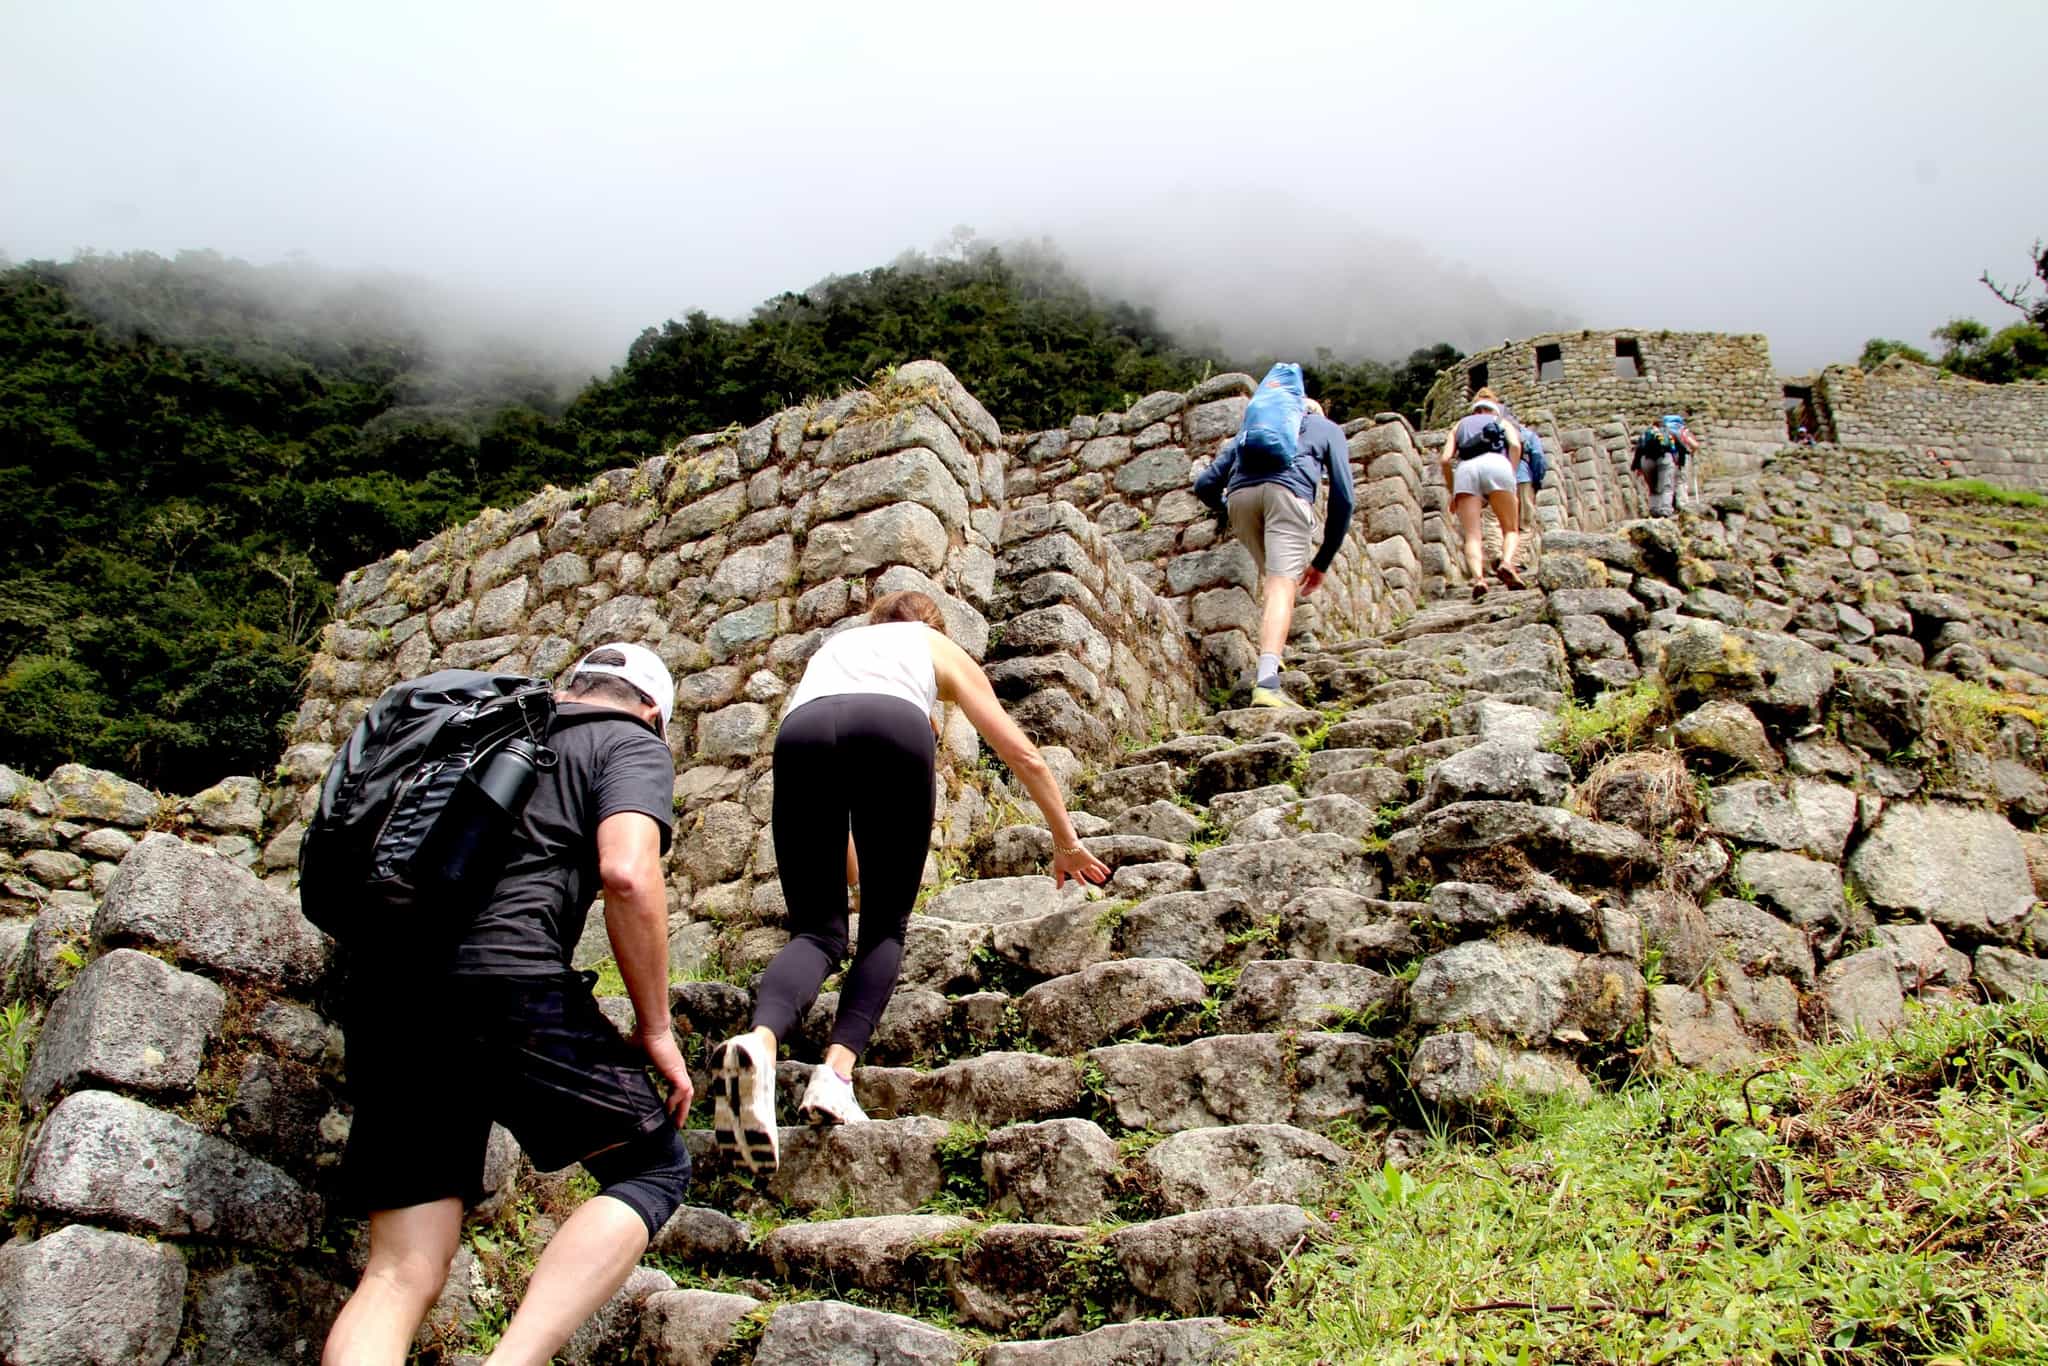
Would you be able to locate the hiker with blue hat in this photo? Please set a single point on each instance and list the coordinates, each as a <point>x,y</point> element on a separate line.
<point>1267,477</point>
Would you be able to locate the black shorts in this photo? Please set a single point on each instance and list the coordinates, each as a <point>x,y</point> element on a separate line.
<point>431,1065</point>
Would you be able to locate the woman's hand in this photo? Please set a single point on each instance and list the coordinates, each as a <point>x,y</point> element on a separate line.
<point>1076,862</point>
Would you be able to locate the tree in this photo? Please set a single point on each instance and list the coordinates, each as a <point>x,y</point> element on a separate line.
<point>1959,338</point>
<point>1879,349</point>
<point>2034,311</point>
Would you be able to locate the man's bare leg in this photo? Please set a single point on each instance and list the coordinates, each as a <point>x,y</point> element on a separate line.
<point>583,1266</point>
<point>1277,616</point>
<point>410,1249</point>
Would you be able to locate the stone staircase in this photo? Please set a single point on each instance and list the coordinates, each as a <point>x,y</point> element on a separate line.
<point>1123,1111</point>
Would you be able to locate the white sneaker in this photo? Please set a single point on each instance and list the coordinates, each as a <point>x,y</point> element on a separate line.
<point>743,1103</point>
<point>829,1099</point>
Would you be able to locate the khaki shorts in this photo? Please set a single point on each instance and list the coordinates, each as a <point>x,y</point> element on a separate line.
<point>1276,526</point>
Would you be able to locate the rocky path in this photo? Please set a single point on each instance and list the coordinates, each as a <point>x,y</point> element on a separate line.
<point>1129,1109</point>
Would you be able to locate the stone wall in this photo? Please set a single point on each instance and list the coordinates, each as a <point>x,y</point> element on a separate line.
<point>1725,383</point>
<point>61,839</point>
<point>1987,431</point>
<point>1077,563</point>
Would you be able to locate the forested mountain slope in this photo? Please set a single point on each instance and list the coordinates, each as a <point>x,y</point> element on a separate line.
<point>193,451</point>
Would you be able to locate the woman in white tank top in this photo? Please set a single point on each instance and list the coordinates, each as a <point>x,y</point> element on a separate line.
<point>856,753</point>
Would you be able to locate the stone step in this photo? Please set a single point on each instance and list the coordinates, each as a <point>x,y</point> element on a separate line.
<point>1060,1171</point>
<point>1027,1279</point>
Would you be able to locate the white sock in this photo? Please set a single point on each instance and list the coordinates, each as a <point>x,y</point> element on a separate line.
<point>1269,671</point>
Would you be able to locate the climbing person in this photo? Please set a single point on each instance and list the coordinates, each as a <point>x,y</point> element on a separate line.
<point>1530,472</point>
<point>444,1036</point>
<point>855,761</point>
<point>1654,463</point>
<point>1266,478</point>
<point>1478,464</point>
<point>1687,452</point>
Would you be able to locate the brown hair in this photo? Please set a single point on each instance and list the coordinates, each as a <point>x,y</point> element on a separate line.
<point>908,605</point>
<point>1486,395</point>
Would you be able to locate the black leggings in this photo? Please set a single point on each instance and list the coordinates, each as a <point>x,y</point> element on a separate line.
<point>865,761</point>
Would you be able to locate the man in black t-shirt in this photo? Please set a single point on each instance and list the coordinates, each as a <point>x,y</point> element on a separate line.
<point>504,1029</point>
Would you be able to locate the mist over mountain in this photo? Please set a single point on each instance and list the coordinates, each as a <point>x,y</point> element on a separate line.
<point>1285,276</point>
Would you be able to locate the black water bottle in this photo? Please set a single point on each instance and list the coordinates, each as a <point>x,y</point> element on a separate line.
<point>509,776</point>
<point>473,836</point>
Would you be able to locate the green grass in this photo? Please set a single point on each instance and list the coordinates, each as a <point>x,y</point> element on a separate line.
<point>1973,491</point>
<point>1619,719</point>
<point>1874,1202</point>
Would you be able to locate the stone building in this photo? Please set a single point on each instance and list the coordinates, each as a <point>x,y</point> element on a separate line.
<point>1987,431</point>
<point>1723,383</point>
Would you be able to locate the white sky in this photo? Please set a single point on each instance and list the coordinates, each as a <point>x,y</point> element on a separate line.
<point>1819,172</point>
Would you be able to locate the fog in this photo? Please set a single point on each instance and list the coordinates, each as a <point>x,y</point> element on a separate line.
<point>1348,176</point>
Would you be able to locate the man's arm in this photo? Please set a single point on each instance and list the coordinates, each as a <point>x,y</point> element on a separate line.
<point>1211,482</point>
<point>1337,516</point>
<point>636,919</point>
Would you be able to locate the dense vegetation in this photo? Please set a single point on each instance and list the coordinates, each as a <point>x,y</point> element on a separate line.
<point>1879,1201</point>
<point>1973,350</point>
<point>193,451</point>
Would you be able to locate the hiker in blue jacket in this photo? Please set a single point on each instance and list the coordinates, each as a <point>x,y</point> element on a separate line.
<point>1272,506</point>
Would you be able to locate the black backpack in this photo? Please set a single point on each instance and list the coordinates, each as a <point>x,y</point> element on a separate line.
<point>1653,445</point>
<point>1490,439</point>
<point>418,808</point>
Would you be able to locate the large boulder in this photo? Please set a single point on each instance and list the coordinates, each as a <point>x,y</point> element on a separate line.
<point>272,1314</point>
<point>689,1327</point>
<point>109,1159</point>
<point>1213,1262</point>
<point>1781,677</point>
<point>1961,868</point>
<point>1104,1000</point>
<point>204,910</point>
<point>85,1297</point>
<point>1296,993</point>
<point>1059,1171</point>
<point>1243,1164</point>
<point>1461,1071</point>
<point>1498,770</point>
<point>1515,990</point>
<point>129,1020</point>
<point>1862,994</point>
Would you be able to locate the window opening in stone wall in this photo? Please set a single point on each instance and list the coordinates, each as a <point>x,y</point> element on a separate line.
<point>1549,363</point>
<point>1476,378</point>
<point>1628,358</point>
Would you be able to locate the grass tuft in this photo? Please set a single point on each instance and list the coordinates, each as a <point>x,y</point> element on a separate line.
<point>1619,719</point>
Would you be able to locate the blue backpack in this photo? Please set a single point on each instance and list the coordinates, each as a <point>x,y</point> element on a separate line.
<point>1271,437</point>
<point>1532,455</point>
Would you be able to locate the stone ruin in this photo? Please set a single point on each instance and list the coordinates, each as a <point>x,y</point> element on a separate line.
<point>1104,1122</point>
<point>1732,396</point>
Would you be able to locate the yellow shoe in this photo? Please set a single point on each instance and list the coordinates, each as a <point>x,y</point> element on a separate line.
<point>1270,697</point>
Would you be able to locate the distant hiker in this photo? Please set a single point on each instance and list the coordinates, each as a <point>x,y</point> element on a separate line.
<point>1688,451</point>
<point>1269,488</point>
<point>1530,472</point>
<point>443,1039</point>
<point>1478,464</point>
<point>1655,462</point>
<point>856,753</point>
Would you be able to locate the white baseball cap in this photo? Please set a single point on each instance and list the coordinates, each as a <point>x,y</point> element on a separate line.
<point>642,668</point>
